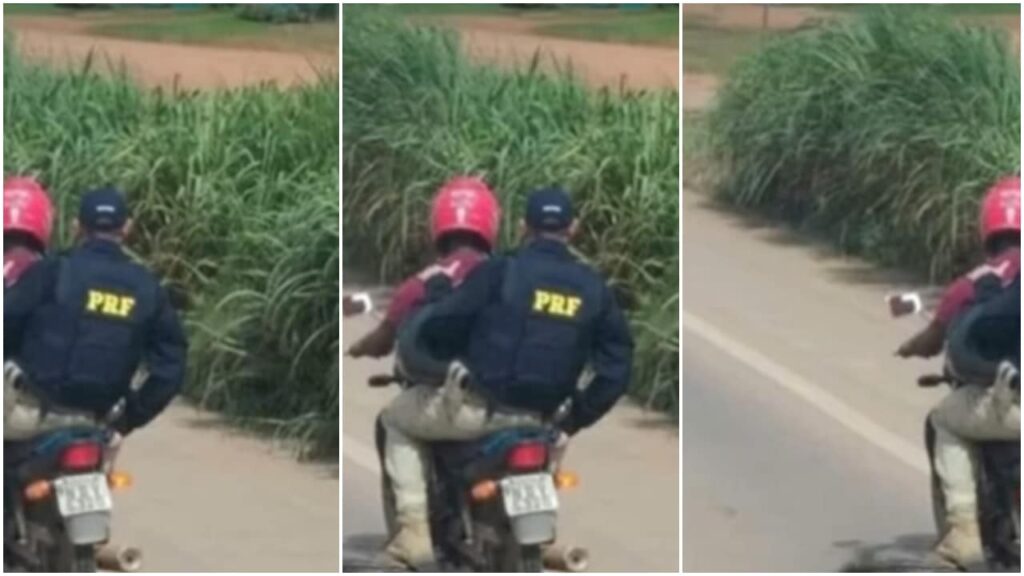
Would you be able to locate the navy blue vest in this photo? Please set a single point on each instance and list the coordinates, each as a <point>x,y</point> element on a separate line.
<point>530,345</point>
<point>84,344</point>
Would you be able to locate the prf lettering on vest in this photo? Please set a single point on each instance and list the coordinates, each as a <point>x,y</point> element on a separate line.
<point>555,304</point>
<point>107,304</point>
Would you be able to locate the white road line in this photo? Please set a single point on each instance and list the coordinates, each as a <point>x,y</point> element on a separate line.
<point>360,454</point>
<point>906,452</point>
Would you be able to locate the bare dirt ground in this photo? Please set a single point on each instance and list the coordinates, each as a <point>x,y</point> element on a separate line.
<point>699,89</point>
<point>509,41</point>
<point>65,41</point>
<point>506,41</point>
<point>208,498</point>
<point>752,16</point>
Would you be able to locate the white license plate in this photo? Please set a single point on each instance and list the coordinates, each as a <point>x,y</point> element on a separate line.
<point>529,494</point>
<point>84,494</point>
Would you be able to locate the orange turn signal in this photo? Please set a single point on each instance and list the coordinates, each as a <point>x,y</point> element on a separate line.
<point>566,480</point>
<point>38,490</point>
<point>484,490</point>
<point>119,480</point>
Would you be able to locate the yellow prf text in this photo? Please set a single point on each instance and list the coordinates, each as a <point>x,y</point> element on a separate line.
<point>107,304</point>
<point>555,304</point>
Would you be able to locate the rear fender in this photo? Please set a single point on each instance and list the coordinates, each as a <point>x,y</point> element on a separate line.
<point>88,529</point>
<point>535,529</point>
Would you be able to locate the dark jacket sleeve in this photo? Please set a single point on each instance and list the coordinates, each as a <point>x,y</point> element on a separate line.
<point>612,362</point>
<point>165,358</point>
<point>451,319</point>
<point>21,301</point>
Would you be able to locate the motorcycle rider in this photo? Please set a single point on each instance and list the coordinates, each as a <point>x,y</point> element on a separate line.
<point>464,220</point>
<point>525,325</point>
<point>986,338</point>
<point>28,225</point>
<point>969,412</point>
<point>79,325</point>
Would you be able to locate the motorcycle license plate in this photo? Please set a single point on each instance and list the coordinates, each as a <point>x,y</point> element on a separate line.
<point>84,494</point>
<point>529,494</point>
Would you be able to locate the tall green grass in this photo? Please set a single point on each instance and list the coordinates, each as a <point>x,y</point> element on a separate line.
<point>236,197</point>
<point>882,132</point>
<point>417,112</point>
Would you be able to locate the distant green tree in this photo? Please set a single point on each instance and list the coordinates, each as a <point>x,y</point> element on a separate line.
<point>288,13</point>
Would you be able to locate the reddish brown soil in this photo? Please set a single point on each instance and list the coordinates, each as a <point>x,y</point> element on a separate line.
<point>747,16</point>
<point>752,15</point>
<point>509,41</point>
<point>699,89</point>
<point>65,41</point>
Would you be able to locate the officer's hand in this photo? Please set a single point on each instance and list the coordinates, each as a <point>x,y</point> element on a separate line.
<point>559,449</point>
<point>11,372</point>
<point>1008,376</point>
<point>457,373</point>
<point>562,441</point>
<point>113,449</point>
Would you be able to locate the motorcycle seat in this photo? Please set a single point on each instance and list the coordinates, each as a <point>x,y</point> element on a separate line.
<point>455,455</point>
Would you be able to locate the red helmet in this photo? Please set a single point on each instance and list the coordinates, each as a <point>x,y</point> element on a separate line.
<point>1000,209</point>
<point>28,209</point>
<point>466,204</point>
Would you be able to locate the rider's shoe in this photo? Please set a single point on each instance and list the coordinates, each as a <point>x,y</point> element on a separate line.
<point>961,544</point>
<point>411,546</point>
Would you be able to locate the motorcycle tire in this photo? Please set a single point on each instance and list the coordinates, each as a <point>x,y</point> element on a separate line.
<point>387,498</point>
<point>68,558</point>
<point>84,559</point>
<point>937,496</point>
<point>515,558</point>
<point>387,494</point>
<point>531,559</point>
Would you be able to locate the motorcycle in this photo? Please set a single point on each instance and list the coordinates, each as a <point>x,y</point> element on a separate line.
<point>58,499</point>
<point>997,471</point>
<point>493,502</point>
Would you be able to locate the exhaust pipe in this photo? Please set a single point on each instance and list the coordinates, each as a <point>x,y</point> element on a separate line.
<point>565,558</point>
<point>117,558</point>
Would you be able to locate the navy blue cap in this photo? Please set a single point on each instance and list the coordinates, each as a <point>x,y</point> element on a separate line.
<point>103,210</point>
<point>549,210</point>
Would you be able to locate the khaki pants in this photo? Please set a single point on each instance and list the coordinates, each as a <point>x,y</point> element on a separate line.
<point>970,413</point>
<point>23,414</point>
<point>425,413</point>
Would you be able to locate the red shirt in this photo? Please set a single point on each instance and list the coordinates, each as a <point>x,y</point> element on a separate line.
<point>411,293</point>
<point>960,293</point>
<point>16,261</point>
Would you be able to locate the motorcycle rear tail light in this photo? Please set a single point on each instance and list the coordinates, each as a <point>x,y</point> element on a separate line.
<point>81,456</point>
<point>528,456</point>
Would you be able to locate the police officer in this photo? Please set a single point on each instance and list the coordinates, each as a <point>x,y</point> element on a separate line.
<point>82,324</point>
<point>524,326</point>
